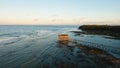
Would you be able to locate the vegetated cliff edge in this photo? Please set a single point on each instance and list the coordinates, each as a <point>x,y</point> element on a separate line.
<point>101,29</point>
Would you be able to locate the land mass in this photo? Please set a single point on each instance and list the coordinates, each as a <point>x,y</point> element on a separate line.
<point>100,28</point>
<point>108,30</point>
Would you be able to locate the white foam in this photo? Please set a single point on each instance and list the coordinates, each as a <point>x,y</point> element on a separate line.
<point>6,39</point>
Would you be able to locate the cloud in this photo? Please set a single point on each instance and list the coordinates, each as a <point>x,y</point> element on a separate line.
<point>54,16</point>
<point>36,20</point>
<point>63,21</point>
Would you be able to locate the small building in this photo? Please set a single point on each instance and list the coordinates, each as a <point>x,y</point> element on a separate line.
<point>63,37</point>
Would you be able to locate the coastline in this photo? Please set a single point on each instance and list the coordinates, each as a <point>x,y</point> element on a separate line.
<point>108,30</point>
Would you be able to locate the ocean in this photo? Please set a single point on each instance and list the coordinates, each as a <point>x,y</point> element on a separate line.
<point>37,46</point>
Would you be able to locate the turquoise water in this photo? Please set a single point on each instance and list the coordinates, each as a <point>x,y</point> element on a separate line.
<point>37,47</point>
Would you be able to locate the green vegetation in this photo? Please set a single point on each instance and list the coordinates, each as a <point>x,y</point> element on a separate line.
<point>100,28</point>
<point>113,31</point>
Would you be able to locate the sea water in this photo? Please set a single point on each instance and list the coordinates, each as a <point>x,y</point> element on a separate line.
<point>34,46</point>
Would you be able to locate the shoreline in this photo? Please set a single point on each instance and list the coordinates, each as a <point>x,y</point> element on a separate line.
<point>113,31</point>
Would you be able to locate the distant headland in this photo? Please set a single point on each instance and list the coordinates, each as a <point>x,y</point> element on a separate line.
<point>108,30</point>
<point>100,28</point>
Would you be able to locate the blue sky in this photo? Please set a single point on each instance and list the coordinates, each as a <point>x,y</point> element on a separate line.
<point>60,12</point>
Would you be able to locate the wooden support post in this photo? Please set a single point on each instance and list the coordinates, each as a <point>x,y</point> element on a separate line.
<point>63,37</point>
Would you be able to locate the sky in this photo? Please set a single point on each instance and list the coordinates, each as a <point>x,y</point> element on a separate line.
<point>59,12</point>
